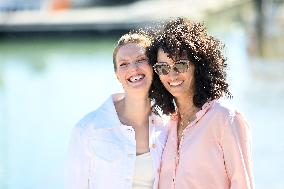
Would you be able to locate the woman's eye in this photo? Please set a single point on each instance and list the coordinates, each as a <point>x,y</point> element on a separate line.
<point>123,65</point>
<point>142,60</point>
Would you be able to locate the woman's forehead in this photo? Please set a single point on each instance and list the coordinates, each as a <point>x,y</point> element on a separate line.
<point>173,56</point>
<point>130,47</point>
<point>130,50</point>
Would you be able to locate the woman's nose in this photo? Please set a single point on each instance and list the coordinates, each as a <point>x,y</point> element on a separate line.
<point>133,66</point>
<point>172,73</point>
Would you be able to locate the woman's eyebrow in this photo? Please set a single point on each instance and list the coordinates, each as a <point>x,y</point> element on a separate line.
<point>142,55</point>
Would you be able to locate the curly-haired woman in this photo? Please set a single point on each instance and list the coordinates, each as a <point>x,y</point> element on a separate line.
<point>209,141</point>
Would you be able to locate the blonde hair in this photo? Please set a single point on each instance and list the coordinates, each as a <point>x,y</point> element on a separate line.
<point>139,38</point>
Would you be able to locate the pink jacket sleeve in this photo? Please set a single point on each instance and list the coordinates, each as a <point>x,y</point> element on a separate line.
<point>78,162</point>
<point>236,143</point>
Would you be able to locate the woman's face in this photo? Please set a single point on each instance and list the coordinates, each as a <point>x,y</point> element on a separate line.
<point>133,70</point>
<point>180,85</point>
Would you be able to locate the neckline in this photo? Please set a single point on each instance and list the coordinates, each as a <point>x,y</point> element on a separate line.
<point>144,154</point>
<point>198,114</point>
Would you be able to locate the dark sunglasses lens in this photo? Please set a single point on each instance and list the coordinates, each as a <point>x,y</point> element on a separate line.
<point>162,69</point>
<point>181,66</point>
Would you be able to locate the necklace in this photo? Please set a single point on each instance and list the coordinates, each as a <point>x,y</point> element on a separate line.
<point>184,121</point>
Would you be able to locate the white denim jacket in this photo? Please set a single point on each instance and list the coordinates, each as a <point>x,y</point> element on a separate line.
<point>102,151</point>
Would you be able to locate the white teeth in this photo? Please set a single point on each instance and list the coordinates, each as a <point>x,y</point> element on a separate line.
<point>175,83</point>
<point>136,78</point>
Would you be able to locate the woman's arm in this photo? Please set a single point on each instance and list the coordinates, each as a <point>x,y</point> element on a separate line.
<point>78,162</point>
<point>236,143</point>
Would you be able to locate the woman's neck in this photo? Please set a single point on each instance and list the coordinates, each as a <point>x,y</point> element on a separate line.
<point>186,107</point>
<point>134,111</point>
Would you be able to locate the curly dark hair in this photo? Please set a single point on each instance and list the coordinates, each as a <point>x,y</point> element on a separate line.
<point>204,51</point>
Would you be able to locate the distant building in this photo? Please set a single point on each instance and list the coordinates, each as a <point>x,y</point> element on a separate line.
<point>84,3</point>
<point>16,5</point>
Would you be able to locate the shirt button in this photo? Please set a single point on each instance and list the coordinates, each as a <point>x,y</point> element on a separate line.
<point>152,121</point>
<point>153,145</point>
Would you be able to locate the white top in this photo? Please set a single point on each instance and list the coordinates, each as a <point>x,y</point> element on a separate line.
<point>143,175</point>
<point>102,151</point>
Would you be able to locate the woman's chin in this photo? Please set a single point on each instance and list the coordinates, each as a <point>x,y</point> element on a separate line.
<point>139,90</point>
<point>176,92</point>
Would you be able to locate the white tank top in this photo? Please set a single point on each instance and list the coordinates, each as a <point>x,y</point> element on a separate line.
<point>144,173</point>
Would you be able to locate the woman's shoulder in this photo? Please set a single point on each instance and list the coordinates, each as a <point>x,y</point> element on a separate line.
<point>225,110</point>
<point>104,116</point>
<point>224,107</point>
<point>227,116</point>
<point>87,119</point>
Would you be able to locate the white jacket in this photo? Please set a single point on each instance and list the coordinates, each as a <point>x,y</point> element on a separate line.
<point>102,151</point>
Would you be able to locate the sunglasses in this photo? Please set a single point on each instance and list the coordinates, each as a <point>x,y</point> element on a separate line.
<point>163,68</point>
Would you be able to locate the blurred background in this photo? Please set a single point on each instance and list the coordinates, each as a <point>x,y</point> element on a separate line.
<point>56,66</point>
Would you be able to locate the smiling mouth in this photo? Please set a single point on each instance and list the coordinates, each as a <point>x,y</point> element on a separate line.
<point>136,78</point>
<point>175,83</point>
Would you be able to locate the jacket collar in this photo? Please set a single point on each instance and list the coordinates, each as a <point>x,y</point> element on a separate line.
<point>106,115</point>
<point>200,113</point>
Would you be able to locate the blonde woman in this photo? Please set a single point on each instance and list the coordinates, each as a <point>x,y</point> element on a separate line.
<point>120,144</point>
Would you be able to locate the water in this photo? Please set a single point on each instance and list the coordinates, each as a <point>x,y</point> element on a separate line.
<point>46,88</point>
<point>47,85</point>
